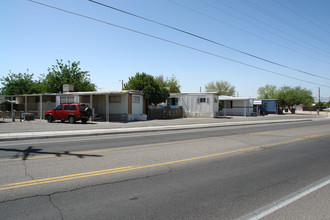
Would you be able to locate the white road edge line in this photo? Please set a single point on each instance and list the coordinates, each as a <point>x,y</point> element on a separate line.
<point>268,209</point>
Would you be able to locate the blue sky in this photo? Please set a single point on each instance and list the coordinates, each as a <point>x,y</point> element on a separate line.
<point>293,33</point>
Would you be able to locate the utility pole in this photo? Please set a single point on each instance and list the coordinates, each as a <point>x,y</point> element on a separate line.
<point>122,84</point>
<point>319,95</point>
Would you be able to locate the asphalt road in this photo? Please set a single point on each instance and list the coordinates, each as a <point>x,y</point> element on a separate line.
<point>275,171</point>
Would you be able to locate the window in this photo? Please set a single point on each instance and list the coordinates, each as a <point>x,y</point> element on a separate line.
<point>62,99</point>
<point>60,107</point>
<point>73,107</point>
<point>115,99</point>
<point>70,99</point>
<point>136,99</point>
<point>66,99</point>
<point>202,100</point>
<point>265,104</point>
<point>70,108</point>
<point>172,101</point>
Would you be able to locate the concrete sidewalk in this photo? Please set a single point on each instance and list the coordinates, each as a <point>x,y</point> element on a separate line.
<point>41,129</point>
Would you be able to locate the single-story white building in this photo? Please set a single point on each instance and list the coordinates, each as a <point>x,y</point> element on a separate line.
<point>124,105</point>
<point>198,105</point>
<point>236,106</point>
<point>107,105</point>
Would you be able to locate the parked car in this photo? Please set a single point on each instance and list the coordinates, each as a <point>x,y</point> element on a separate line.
<point>70,112</point>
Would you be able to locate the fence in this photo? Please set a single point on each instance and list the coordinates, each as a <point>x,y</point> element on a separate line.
<point>166,112</point>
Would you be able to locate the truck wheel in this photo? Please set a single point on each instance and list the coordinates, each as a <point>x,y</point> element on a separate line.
<point>72,120</point>
<point>50,119</point>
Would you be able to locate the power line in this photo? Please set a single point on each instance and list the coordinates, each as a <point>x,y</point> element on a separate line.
<point>283,21</point>
<point>312,48</point>
<point>306,11</point>
<point>175,43</point>
<point>208,40</point>
<point>257,36</point>
<point>299,15</point>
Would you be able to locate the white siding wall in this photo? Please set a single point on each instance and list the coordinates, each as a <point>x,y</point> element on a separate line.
<point>137,108</point>
<point>239,108</point>
<point>116,107</point>
<point>120,107</point>
<point>193,107</point>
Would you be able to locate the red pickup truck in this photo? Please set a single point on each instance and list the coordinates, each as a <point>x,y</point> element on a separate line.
<point>70,112</point>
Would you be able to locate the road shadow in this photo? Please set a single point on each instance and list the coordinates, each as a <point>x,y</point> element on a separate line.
<point>224,117</point>
<point>77,123</point>
<point>30,151</point>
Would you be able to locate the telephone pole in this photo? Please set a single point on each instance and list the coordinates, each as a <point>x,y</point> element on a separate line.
<point>122,84</point>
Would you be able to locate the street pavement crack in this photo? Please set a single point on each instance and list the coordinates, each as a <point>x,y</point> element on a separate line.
<point>26,170</point>
<point>84,187</point>
<point>170,169</point>
<point>55,206</point>
<point>17,199</point>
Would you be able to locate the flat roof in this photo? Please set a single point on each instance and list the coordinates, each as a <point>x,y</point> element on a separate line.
<point>228,98</point>
<point>136,92</point>
<point>195,93</point>
<point>86,93</point>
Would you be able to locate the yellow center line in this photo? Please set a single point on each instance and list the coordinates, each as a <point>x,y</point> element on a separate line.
<point>130,168</point>
<point>147,145</point>
<point>72,175</point>
<point>60,179</point>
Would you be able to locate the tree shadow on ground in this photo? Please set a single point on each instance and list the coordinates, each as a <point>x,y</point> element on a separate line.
<point>30,151</point>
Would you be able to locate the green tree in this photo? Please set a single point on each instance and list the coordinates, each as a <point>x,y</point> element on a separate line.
<point>267,92</point>
<point>70,73</point>
<point>223,87</point>
<point>171,83</point>
<point>288,97</point>
<point>19,84</point>
<point>153,92</point>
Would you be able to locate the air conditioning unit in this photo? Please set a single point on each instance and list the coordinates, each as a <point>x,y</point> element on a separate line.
<point>68,88</point>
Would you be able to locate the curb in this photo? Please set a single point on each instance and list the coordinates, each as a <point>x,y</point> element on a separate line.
<point>95,132</point>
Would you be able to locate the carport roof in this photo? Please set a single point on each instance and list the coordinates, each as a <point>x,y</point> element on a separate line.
<point>135,92</point>
<point>229,98</point>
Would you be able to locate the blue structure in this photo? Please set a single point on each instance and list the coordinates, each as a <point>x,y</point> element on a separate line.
<point>268,106</point>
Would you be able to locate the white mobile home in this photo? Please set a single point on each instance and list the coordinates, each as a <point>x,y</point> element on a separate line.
<point>199,105</point>
<point>106,105</point>
<point>236,106</point>
<point>110,105</point>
